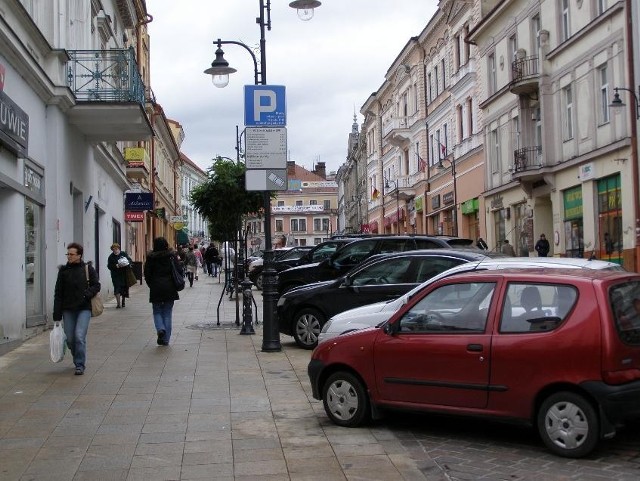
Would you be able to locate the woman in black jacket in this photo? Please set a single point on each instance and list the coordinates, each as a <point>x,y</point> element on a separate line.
<point>72,302</point>
<point>119,273</point>
<point>162,291</point>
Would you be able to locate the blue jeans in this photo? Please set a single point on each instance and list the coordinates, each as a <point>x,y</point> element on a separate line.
<point>76,325</point>
<point>162,317</point>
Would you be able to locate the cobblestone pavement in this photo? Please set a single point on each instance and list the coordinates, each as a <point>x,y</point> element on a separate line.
<point>213,406</point>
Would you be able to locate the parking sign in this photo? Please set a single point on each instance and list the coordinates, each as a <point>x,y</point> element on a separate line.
<point>264,106</point>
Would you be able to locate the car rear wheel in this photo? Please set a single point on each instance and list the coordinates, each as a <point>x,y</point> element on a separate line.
<point>345,400</point>
<point>307,326</point>
<point>568,425</point>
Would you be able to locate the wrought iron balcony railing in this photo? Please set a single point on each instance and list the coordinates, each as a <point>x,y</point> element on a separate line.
<point>527,158</point>
<point>105,76</point>
<point>524,67</point>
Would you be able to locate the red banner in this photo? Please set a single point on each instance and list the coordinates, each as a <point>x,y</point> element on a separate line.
<point>131,216</point>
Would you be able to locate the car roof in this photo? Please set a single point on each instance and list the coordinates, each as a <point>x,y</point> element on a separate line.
<point>555,274</point>
<point>460,253</point>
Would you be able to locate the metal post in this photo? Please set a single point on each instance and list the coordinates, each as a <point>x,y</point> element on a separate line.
<point>455,198</point>
<point>247,300</point>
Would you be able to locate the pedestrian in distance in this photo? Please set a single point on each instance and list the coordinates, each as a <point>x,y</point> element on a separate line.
<point>199,260</point>
<point>507,248</point>
<point>191,263</point>
<point>118,263</point>
<point>481,244</point>
<point>72,302</point>
<point>211,256</point>
<point>542,246</point>
<point>162,291</point>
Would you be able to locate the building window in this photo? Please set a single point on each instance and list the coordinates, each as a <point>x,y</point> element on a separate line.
<point>604,94</point>
<point>456,57</point>
<point>495,144</point>
<point>467,47</point>
<point>298,225</point>
<point>281,203</point>
<point>298,203</point>
<point>279,225</point>
<point>568,112</point>
<point>535,35</point>
<point>430,86</point>
<point>444,75</point>
<point>313,202</point>
<point>565,25</point>
<point>460,122</point>
<point>513,50</point>
<point>435,80</point>
<point>491,67</point>
<point>515,122</point>
<point>469,117</point>
<point>326,204</point>
<point>602,6</point>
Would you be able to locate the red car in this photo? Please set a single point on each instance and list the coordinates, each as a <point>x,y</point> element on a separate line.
<point>558,349</point>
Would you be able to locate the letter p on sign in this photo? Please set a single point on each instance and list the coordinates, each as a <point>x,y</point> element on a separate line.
<point>264,105</point>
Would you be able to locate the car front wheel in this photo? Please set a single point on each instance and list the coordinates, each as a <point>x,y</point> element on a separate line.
<point>345,400</point>
<point>307,326</point>
<point>568,425</point>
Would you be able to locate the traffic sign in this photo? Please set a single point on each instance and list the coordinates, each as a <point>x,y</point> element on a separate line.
<point>266,179</point>
<point>265,105</point>
<point>265,148</point>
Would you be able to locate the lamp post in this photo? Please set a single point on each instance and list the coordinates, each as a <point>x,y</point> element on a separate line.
<point>618,103</point>
<point>395,185</point>
<point>455,193</point>
<point>219,72</point>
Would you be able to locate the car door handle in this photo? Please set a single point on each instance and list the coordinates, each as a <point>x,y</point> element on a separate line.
<point>474,347</point>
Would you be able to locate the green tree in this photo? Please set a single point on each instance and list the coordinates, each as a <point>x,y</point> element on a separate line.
<point>223,199</point>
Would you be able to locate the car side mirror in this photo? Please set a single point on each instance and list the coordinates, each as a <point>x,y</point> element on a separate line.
<point>347,282</point>
<point>389,328</point>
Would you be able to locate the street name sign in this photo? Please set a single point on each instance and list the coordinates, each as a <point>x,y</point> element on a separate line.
<point>266,148</point>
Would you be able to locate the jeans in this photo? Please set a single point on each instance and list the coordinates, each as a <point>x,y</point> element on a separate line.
<point>76,325</point>
<point>162,317</point>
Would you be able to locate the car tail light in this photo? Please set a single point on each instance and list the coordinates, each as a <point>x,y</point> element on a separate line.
<point>621,377</point>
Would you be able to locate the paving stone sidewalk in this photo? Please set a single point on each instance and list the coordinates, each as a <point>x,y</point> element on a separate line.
<point>211,405</point>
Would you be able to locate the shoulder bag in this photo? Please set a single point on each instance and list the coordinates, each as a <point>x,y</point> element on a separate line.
<point>96,301</point>
<point>178,277</point>
<point>131,277</point>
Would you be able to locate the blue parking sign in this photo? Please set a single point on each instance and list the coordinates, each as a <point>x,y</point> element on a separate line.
<point>264,105</point>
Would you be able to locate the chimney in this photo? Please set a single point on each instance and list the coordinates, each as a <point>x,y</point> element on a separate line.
<point>321,170</point>
<point>291,168</point>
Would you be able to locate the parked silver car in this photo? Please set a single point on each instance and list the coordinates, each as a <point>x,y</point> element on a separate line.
<point>375,314</point>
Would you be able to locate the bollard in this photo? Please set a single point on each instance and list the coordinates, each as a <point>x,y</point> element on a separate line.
<point>247,316</point>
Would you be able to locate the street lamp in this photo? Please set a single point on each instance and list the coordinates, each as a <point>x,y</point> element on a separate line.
<point>395,186</point>
<point>617,101</point>
<point>220,72</point>
<point>455,193</point>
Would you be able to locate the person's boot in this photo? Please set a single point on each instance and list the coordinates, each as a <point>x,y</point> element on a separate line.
<point>123,301</point>
<point>118,301</point>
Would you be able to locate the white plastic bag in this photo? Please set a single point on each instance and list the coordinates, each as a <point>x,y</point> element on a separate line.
<point>57,342</point>
<point>123,262</point>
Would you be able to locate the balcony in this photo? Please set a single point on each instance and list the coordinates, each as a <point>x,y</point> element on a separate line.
<point>138,162</point>
<point>527,159</point>
<point>525,76</point>
<point>110,102</point>
<point>397,130</point>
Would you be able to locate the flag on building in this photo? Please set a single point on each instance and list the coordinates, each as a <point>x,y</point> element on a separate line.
<point>443,151</point>
<point>375,194</point>
<point>422,164</point>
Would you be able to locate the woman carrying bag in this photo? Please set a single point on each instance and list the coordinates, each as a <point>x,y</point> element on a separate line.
<point>72,302</point>
<point>119,263</point>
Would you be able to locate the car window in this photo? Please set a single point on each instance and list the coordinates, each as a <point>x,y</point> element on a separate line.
<point>536,307</point>
<point>352,254</point>
<point>390,271</point>
<point>292,254</point>
<point>396,245</point>
<point>427,244</point>
<point>324,251</point>
<point>454,308</point>
<point>427,267</point>
<point>625,305</point>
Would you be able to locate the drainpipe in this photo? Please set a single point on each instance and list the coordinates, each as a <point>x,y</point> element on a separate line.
<point>634,135</point>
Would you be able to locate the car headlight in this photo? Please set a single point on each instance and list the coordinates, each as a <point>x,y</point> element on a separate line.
<point>281,301</point>
<point>326,327</point>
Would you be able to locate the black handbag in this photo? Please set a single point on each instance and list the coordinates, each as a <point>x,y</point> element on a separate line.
<point>177,275</point>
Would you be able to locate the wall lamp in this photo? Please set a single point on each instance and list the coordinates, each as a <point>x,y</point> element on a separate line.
<point>617,101</point>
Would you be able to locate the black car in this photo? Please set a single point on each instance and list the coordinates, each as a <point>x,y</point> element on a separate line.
<point>358,250</point>
<point>304,310</point>
<point>282,259</point>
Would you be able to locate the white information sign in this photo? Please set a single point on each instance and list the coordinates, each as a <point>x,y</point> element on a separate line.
<point>268,179</point>
<point>266,148</point>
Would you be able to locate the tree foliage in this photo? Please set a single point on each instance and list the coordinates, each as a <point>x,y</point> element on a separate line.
<point>223,199</point>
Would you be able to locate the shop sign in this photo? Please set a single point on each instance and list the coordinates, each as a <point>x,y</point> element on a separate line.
<point>138,201</point>
<point>470,206</point>
<point>131,216</point>
<point>496,203</point>
<point>447,198</point>
<point>14,126</point>
<point>573,203</point>
<point>160,213</point>
<point>296,209</point>
<point>435,202</point>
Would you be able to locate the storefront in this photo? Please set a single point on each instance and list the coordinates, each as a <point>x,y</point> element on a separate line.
<point>573,222</point>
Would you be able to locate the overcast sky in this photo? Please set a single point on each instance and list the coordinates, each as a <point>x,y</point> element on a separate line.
<point>329,66</point>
